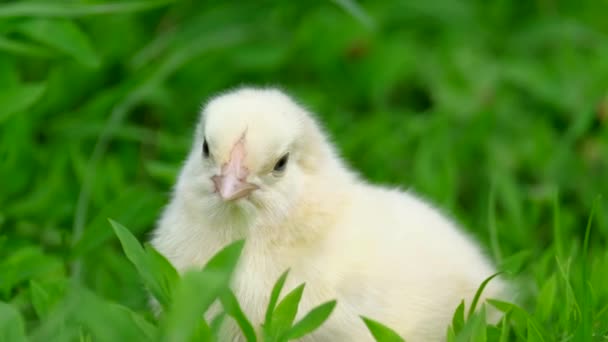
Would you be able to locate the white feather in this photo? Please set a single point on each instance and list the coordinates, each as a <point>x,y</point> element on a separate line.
<point>380,252</point>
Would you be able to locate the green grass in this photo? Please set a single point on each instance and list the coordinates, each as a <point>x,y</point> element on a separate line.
<point>496,111</point>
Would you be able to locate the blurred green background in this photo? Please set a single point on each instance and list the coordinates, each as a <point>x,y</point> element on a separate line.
<point>497,111</point>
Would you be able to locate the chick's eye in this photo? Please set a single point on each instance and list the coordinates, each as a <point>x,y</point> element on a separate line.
<point>205,149</point>
<point>281,163</point>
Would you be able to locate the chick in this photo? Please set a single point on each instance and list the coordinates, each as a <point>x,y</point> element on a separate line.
<point>262,169</point>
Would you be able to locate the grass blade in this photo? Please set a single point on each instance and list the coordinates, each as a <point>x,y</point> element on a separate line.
<point>24,49</point>
<point>458,318</point>
<point>479,292</point>
<point>40,298</point>
<point>274,297</point>
<point>522,315</point>
<point>12,328</point>
<point>311,321</point>
<point>285,313</point>
<point>195,293</point>
<point>492,226</point>
<point>233,308</point>
<point>381,332</point>
<point>66,9</point>
<point>19,99</point>
<point>355,10</point>
<point>165,272</point>
<point>226,259</point>
<point>216,325</point>
<point>140,259</point>
<point>64,36</point>
<point>584,330</point>
<point>557,230</point>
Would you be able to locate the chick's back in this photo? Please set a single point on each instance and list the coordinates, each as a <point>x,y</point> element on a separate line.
<point>402,262</point>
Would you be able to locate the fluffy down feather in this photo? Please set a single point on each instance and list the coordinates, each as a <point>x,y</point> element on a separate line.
<point>380,252</point>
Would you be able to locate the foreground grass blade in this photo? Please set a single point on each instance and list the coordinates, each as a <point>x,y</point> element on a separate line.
<point>195,293</point>
<point>504,333</point>
<point>233,308</point>
<point>165,273</point>
<point>458,318</point>
<point>216,325</point>
<point>274,297</point>
<point>285,313</point>
<point>546,299</point>
<point>479,330</point>
<point>479,292</point>
<point>312,321</point>
<point>202,332</point>
<point>381,332</point>
<point>475,328</point>
<point>151,276</point>
<point>532,326</point>
<point>226,259</point>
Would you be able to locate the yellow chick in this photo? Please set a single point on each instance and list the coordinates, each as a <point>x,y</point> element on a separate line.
<point>261,168</point>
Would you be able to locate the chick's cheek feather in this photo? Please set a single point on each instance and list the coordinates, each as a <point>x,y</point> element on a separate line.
<point>262,169</point>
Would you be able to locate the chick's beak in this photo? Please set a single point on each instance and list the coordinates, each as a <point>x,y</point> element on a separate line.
<point>232,183</point>
<point>231,188</point>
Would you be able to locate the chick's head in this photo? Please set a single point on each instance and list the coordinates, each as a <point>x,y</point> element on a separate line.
<point>253,149</point>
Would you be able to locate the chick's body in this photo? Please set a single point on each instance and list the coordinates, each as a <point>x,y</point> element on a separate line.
<point>381,253</point>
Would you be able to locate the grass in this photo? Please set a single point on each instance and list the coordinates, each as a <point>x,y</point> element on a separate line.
<point>495,111</point>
